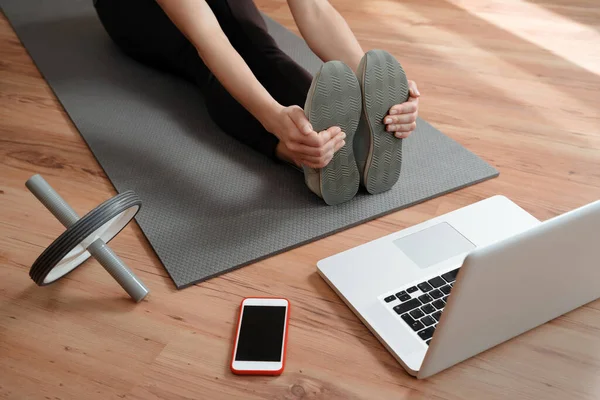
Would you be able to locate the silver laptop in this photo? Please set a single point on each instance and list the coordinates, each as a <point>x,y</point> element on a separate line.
<point>447,289</point>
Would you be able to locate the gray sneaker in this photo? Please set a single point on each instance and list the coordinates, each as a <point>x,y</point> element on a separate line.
<point>334,100</point>
<point>378,152</point>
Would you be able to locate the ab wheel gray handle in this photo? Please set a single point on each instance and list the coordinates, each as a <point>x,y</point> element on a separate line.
<point>84,237</point>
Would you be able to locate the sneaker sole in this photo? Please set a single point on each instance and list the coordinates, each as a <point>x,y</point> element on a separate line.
<point>334,100</point>
<point>383,85</point>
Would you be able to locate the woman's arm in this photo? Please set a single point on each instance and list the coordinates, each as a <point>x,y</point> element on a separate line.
<point>326,31</point>
<point>197,22</point>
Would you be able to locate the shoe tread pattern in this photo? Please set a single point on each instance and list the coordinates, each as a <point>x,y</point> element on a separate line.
<point>336,101</point>
<point>384,85</point>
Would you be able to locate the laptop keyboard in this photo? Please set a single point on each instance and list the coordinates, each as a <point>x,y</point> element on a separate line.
<point>421,306</point>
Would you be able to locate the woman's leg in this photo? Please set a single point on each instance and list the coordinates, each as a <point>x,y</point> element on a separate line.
<point>143,31</point>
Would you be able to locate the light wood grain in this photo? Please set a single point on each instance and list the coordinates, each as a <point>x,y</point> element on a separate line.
<point>515,81</point>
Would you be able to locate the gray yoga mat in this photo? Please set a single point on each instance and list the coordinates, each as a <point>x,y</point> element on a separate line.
<point>210,204</point>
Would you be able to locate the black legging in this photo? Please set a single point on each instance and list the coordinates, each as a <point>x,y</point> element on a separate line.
<point>144,32</point>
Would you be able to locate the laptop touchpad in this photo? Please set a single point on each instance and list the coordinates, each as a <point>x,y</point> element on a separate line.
<point>434,244</point>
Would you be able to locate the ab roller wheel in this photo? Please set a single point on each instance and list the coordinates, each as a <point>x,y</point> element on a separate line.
<point>84,237</point>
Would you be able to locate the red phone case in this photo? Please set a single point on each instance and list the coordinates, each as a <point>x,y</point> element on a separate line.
<point>287,318</point>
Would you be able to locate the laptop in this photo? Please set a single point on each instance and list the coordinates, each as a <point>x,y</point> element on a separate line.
<point>447,289</point>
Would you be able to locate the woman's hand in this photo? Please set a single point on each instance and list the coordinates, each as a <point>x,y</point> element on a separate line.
<point>299,143</point>
<point>402,119</point>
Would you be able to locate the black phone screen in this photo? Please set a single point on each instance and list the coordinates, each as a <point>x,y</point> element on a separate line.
<point>261,333</point>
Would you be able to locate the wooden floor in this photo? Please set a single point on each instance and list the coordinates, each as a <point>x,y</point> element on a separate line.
<point>515,81</point>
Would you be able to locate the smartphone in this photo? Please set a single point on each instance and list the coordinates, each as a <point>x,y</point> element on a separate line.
<point>261,337</point>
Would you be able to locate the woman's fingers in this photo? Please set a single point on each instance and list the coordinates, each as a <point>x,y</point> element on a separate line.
<point>312,149</point>
<point>400,119</point>
<point>339,145</point>
<point>402,135</point>
<point>412,87</point>
<point>315,162</point>
<point>325,157</point>
<point>299,119</point>
<point>318,155</point>
<point>321,138</point>
<point>307,151</point>
<point>405,108</point>
<point>402,127</point>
